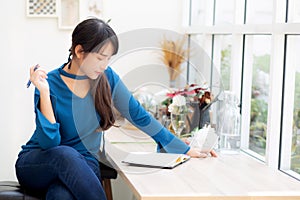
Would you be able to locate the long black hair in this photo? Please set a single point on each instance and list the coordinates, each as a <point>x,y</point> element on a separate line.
<point>92,34</point>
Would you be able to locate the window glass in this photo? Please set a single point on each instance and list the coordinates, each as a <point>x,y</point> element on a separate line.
<point>199,60</point>
<point>222,58</point>
<point>293,63</point>
<point>261,14</point>
<point>257,57</point>
<point>202,12</point>
<point>224,13</point>
<point>294,11</point>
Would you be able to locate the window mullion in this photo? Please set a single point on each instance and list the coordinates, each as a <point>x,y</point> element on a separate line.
<point>246,96</point>
<point>289,90</point>
<point>275,101</point>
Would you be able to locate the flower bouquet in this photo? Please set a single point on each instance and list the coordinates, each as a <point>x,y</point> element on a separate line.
<point>178,105</point>
<point>190,97</point>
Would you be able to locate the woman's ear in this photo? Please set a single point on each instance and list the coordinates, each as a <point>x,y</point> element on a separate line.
<point>79,52</point>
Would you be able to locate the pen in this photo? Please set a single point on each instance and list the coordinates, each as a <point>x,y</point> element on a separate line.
<point>29,82</point>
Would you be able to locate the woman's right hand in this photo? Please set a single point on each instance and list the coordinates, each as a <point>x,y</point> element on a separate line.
<point>38,78</point>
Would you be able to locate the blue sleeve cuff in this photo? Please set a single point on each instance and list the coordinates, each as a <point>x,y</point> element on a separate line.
<point>48,133</point>
<point>169,143</point>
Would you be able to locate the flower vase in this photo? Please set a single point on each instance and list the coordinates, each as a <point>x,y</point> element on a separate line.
<point>178,119</point>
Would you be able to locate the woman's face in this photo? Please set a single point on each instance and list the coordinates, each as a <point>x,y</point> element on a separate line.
<point>95,63</point>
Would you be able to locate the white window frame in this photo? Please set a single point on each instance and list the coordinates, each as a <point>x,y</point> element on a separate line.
<point>278,31</point>
<point>288,110</point>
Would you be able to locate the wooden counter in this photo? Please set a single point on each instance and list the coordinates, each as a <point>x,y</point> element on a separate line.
<point>227,177</point>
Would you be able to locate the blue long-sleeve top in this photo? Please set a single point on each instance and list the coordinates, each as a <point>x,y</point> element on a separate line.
<point>77,119</point>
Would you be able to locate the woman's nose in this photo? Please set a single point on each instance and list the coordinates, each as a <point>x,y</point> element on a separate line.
<point>103,65</point>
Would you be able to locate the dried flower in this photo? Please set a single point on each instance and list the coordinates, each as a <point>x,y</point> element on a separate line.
<point>174,55</point>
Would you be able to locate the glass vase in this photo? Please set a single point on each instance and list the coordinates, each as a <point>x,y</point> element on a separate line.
<point>178,120</point>
<point>230,134</point>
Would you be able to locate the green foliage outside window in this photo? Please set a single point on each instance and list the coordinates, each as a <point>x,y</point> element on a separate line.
<point>259,105</point>
<point>225,67</point>
<point>258,126</point>
<point>259,114</point>
<point>295,150</point>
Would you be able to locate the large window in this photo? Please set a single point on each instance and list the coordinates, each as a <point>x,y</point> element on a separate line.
<point>256,50</point>
<point>291,127</point>
<point>256,84</point>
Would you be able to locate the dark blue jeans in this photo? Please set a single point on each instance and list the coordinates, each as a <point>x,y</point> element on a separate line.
<point>62,172</point>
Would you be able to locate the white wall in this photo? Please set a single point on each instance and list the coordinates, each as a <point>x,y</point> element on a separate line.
<point>28,41</point>
<point>25,42</point>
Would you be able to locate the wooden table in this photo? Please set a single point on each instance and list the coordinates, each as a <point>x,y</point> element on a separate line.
<point>230,177</point>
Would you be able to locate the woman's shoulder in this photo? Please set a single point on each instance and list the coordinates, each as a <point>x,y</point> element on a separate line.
<point>54,72</point>
<point>112,77</point>
<point>54,76</point>
<point>54,79</point>
<point>109,71</point>
<point>111,74</point>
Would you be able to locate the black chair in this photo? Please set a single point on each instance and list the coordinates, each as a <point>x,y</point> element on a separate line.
<point>107,173</point>
<point>11,190</point>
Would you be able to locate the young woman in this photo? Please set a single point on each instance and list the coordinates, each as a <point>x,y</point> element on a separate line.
<point>74,104</point>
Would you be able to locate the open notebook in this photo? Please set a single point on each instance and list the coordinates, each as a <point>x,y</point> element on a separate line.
<point>156,160</point>
<point>204,139</point>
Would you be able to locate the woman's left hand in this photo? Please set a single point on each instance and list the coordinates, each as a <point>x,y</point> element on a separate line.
<point>196,153</point>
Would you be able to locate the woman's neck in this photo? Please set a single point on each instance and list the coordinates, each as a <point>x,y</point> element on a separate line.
<point>74,69</point>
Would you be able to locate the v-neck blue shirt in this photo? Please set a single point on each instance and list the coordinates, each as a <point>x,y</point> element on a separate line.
<point>77,119</point>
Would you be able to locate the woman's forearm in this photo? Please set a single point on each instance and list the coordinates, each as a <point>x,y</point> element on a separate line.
<point>46,106</point>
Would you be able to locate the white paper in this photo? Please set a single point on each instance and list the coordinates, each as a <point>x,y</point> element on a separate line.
<point>204,139</point>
